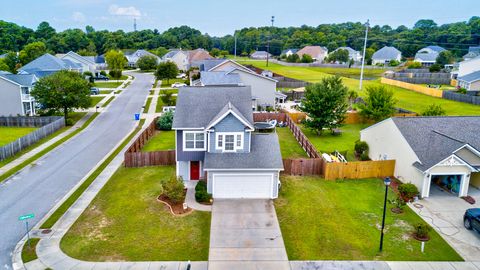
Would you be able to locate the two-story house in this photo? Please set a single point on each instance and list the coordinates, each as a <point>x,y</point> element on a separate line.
<point>15,98</point>
<point>216,141</point>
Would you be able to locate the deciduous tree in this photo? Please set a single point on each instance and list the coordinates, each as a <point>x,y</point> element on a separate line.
<point>380,103</point>
<point>166,71</point>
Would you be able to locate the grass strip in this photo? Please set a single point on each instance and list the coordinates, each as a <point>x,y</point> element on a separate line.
<point>108,102</point>
<point>147,105</point>
<point>46,150</point>
<point>29,253</point>
<point>79,191</point>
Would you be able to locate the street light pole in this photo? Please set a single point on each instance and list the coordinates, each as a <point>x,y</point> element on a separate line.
<point>387,183</point>
<point>364,53</point>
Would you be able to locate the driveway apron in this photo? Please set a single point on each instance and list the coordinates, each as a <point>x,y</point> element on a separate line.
<point>245,234</point>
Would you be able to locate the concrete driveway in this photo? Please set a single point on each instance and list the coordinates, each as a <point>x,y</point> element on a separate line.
<point>245,234</point>
<point>444,212</point>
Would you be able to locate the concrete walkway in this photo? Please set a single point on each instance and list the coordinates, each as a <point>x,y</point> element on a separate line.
<point>190,199</point>
<point>45,145</point>
<point>245,234</point>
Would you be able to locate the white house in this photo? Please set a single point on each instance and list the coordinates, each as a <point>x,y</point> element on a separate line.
<point>260,55</point>
<point>468,66</point>
<point>289,52</point>
<point>87,63</point>
<point>15,98</point>
<point>48,64</point>
<point>471,82</point>
<point>429,151</point>
<point>385,55</point>
<point>132,58</point>
<point>352,54</point>
<point>428,56</point>
<point>473,51</point>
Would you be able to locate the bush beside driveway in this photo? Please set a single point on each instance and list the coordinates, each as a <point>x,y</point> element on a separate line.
<point>340,220</point>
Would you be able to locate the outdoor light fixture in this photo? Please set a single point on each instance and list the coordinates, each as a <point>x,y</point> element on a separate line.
<point>387,183</point>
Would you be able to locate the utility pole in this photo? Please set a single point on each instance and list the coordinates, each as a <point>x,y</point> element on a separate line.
<point>268,42</point>
<point>235,50</point>
<point>364,52</point>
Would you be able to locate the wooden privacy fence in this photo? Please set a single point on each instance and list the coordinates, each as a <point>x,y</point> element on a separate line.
<point>358,169</point>
<point>303,166</point>
<point>48,125</point>
<point>414,87</point>
<point>134,157</point>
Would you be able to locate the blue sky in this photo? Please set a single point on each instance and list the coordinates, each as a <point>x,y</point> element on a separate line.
<point>223,17</point>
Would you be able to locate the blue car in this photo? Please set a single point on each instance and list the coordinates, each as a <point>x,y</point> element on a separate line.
<point>471,219</point>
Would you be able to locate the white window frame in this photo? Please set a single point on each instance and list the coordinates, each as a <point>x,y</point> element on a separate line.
<point>194,141</point>
<point>235,146</point>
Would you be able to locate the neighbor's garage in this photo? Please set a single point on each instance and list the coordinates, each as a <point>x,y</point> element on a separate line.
<point>244,185</point>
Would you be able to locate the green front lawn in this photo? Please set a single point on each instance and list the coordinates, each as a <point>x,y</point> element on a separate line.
<point>10,134</point>
<point>327,142</point>
<point>147,105</point>
<point>161,141</point>
<point>125,222</point>
<point>173,90</point>
<point>95,100</point>
<point>407,99</point>
<point>289,146</point>
<point>109,84</point>
<point>124,77</point>
<point>169,83</point>
<point>340,220</point>
<point>29,252</point>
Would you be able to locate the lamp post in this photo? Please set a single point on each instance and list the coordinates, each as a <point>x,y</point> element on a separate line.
<point>387,182</point>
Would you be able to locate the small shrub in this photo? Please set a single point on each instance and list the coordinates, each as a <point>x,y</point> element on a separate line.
<point>201,194</point>
<point>394,63</point>
<point>434,110</point>
<point>361,147</point>
<point>462,90</point>
<point>398,203</point>
<point>69,122</point>
<point>103,73</point>
<point>174,189</point>
<point>435,68</point>
<point>165,121</point>
<point>408,191</point>
<point>414,65</point>
<point>422,231</point>
<point>364,156</point>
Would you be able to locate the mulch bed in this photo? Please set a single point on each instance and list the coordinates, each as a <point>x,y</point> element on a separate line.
<point>396,210</point>
<point>175,208</point>
<point>425,239</point>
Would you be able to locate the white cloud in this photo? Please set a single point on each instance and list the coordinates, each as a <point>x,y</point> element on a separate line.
<point>78,16</point>
<point>124,11</point>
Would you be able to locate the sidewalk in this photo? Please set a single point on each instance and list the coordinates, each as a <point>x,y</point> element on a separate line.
<point>190,198</point>
<point>42,147</point>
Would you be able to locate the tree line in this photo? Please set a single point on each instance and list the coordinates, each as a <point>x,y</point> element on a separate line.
<point>456,37</point>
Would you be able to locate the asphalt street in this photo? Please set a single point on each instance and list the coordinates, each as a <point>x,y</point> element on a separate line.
<point>36,189</point>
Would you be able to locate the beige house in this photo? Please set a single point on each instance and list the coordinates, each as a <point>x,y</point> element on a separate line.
<point>318,53</point>
<point>441,151</point>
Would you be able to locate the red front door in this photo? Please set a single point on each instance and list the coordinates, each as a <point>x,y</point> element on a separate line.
<point>194,170</point>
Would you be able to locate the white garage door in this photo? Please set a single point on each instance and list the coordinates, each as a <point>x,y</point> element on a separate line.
<point>253,186</point>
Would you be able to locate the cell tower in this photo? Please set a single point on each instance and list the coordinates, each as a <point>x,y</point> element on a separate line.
<point>135,24</point>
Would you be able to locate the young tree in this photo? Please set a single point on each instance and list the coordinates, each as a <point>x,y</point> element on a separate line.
<point>325,103</point>
<point>306,59</point>
<point>62,92</point>
<point>445,58</point>
<point>380,103</point>
<point>166,71</point>
<point>11,60</point>
<point>3,65</point>
<point>215,52</point>
<point>293,58</point>
<point>32,51</point>
<point>434,110</point>
<point>116,61</point>
<point>147,62</point>
<point>167,98</point>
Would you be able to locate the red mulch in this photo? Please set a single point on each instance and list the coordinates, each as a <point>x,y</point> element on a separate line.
<point>424,239</point>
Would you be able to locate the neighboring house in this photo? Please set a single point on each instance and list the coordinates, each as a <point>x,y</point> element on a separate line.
<point>352,54</point>
<point>179,57</point>
<point>207,64</point>
<point>385,55</point>
<point>473,51</point>
<point>15,98</point>
<point>289,52</point>
<point>87,62</point>
<point>428,56</point>
<point>471,82</point>
<point>100,62</point>
<point>429,150</point>
<point>197,55</point>
<point>216,141</point>
<point>132,58</point>
<point>232,73</point>
<point>48,64</point>
<point>260,55</point>
<point>467,67</point>
<point>318,53</point>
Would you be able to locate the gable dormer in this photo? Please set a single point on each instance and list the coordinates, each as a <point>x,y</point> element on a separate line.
<point>229,132</point>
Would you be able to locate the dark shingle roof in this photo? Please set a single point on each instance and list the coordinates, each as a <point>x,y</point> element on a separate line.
<point>435,138</point>
<point>207,64</point>
<point>197,106</point>
<point>22,79</point>
<point>386,53</point>
<point>471,77</point>
<point>265,154</point>
<point>49,62</point>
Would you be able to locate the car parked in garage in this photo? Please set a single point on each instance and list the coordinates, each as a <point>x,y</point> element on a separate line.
<point>471,219</point>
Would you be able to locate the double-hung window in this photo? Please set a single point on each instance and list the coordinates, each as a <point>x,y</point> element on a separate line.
<point>229,141</point>
<point>194,141</point>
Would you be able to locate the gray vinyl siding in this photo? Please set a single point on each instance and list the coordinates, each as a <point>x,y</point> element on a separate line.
<point>229,124</point>
<point>10,99</point>
<point>187,155</point>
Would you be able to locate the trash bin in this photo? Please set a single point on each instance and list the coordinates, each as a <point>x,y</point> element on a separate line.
<point>137,116</point>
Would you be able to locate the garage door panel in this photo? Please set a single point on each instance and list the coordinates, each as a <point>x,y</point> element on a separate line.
<point>242,186</point>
